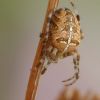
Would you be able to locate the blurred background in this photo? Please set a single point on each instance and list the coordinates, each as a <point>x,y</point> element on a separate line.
<point>21,22</point>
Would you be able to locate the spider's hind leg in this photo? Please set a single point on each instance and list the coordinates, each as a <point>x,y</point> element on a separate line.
<point>75,77</point>
<point>76,60</point>
<point>45,67</point>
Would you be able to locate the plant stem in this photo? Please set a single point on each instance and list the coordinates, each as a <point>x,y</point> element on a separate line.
<point>36,71</point>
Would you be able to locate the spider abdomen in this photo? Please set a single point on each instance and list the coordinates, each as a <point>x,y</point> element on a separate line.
<point>64,34</point>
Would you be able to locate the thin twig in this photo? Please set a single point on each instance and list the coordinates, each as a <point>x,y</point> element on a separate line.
<point>35,72</point>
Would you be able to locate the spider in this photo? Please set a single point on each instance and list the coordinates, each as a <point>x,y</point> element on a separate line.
<point>62,40</point>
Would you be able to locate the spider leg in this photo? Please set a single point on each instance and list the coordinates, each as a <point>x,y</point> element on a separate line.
<point>75,77</point>
<point>48,61</point>
<point>68,79</point>
<point>45,67</point>
<point>72,79</point>
<point>71,83</point>
<point>72,2</point>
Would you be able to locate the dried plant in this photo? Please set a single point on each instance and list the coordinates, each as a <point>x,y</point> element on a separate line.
<point>77,95</point>
<point>63,95</point>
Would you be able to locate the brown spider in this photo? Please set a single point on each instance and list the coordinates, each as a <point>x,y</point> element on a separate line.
<point>63,37</point>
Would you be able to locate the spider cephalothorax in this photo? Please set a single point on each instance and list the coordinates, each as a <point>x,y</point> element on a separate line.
<point>63,37</point>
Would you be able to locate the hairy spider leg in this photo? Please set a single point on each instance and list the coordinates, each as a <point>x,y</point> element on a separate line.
<point>75,77</point>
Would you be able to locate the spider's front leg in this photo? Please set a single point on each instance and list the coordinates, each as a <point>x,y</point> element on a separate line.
<point>75,77</point>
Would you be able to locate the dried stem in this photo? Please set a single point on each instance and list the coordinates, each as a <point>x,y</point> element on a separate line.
<point>35,72</point>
